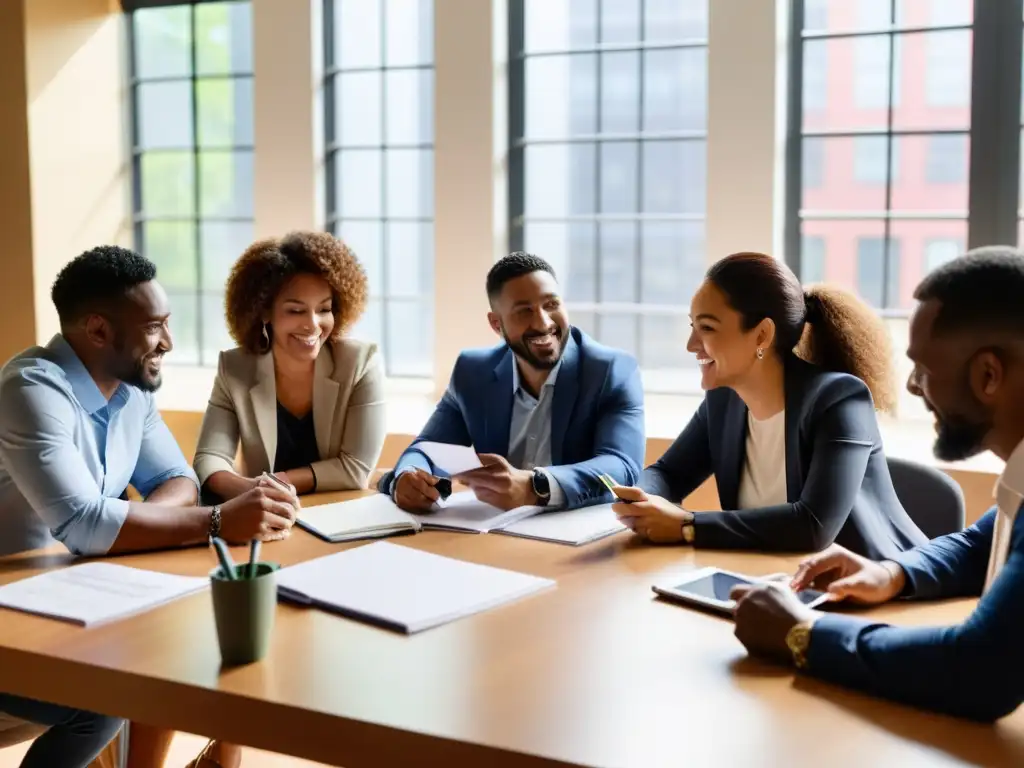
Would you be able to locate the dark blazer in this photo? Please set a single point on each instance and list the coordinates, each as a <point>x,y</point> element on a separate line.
<point>837,480</point>
<point>974,669</point>
<point>597,416</point>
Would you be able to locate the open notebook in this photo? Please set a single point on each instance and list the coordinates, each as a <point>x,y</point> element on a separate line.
<point>377,516</point>
<point>401,588</point>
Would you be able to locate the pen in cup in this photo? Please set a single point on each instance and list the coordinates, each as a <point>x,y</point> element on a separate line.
<point>227,565</point>
<point>254,557</point>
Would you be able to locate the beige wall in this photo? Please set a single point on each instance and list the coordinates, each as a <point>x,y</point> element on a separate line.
<point>65,184</point>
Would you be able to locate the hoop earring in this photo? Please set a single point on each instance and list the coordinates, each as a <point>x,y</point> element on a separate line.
<point>266,338</point>
<point>760,354</point>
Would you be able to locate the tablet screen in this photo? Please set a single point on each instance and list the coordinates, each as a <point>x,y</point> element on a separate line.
<point>717,586</point>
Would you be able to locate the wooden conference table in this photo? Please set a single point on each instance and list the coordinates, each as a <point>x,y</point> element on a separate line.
<point>596,672</point>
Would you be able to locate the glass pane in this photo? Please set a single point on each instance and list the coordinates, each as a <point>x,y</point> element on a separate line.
<point>168,183</point>
<point>161,42</point>
<point>171,245</point>
<point>620,21</point>
<point>561,96</point>
<point>370,327</point>
<point>225,112</point>
<point>851,15</point>
<point>585,321</point>
<point>221,243</point>
<point>559,25</point>
<point>871,160</point>
<point>675,19</point>
<point>673,261</point>
<point>620,92</point>
<point>569,248</point>
<point>215,336</point>
<point>164,112</point>
<point>410,182</point>
<point>675,177</point>
<point>410,264</point>
<point>410,116</point>
<point>923,245</point>
<point>357,36</point>
<point>618,262</point>
<point>675,90</point>
<point>223,38</point>
<point>935,13</point>
<point>184,327</point>
<point>619,177</point>
<point>812,259</point>
<point>663,343</point>
<point>940,182</point>
<point>947,74</point>
<point>853,179</point>
<point>225,183</point>
<point>410,335</point>
<point>812,163</point>
<point>839,242</point>
<point>410,32</point>
<point>365,240</point>
<point>815,79</point>
<point>358,109</point>
<point>879,270</point>
<point>846,83</point>
<point>560,180</point>
<point>358,181</point>
<point>619,330</point>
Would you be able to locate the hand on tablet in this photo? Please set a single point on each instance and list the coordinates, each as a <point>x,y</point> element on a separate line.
<point>764,615</point>
<point>847,576</point>
<point>652,517</point>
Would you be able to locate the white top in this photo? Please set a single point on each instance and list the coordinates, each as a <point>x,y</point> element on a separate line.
<point>1009,493</point>
<point>763,483</point>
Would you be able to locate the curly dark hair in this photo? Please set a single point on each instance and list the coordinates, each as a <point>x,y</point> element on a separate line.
<point>97,278</point>
<point>823,324</point>
<point>510,267</point>
<point>259,274</point>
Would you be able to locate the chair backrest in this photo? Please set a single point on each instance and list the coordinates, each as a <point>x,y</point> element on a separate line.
<point>931,497</point>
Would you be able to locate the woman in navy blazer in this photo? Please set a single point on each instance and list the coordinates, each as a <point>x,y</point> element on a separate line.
<point>792,441</point>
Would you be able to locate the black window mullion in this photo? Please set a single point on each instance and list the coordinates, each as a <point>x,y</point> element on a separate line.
<point>517,124</point>
<point>792,241</point>
<point>330,128</point>
<point>197,180</point>
<point>638,321</point>
<point>384,266</point>
<point>599,123</point>
<point>886,299</point>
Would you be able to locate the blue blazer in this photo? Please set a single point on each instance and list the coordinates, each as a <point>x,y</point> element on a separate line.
<point>838,487</point>
<point>973,670</point>
<point>597,416</point>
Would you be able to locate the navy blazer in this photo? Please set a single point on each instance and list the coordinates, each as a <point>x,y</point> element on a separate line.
<point>838,487</point>
<point>974,669</point>
<point>597,416</point>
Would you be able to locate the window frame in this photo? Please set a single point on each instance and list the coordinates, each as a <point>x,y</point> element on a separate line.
<point>197,218</point>
<point>994,132</point>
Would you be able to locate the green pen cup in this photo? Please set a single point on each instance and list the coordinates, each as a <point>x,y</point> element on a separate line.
<point>244,610</point>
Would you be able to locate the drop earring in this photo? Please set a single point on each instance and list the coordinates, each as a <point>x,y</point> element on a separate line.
<point>266,338</point>
<point>760,354</point>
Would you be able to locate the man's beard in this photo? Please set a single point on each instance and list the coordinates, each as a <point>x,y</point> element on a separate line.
<point>133,371</point>
<point>958,437</point>
<point>522,349</point>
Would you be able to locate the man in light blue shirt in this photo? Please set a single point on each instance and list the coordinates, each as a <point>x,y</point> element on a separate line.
<point>78,425</point>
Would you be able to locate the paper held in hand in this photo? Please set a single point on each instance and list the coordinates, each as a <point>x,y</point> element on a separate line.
<point>453,459</point>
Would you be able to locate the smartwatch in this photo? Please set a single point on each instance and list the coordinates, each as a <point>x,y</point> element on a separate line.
<point>541,486</point>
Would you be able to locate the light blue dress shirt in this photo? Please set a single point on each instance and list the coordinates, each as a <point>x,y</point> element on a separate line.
<point>529,435</point>
<point>67,454</point>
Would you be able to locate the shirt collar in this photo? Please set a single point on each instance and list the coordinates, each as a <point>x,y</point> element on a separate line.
<point>548,382</point>
<point>1012,478</point>
<point>82,383</point>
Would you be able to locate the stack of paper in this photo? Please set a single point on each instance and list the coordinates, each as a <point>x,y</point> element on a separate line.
<point>402,588</point>
<point>94,593</point>
<point>371,516</point>
<point>575,527</point>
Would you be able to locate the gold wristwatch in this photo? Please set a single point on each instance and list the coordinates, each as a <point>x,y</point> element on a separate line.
<point>688,532</point>
<point>798,639</point>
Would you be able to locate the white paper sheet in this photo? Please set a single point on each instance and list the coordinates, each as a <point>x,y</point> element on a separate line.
<point>370,515</point>
<point>96,592</point>
<point>463,511</point>
<point>453,459</point>
<point>574,527</point>
<point>403,588</point>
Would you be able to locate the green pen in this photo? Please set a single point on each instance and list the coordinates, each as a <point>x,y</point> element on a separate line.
<point>609,483</point>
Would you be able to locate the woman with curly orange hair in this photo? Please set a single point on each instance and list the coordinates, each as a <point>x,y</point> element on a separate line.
<point>787,427</point>
<point>305,401</point>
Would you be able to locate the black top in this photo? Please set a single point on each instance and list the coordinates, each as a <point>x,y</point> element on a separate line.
<point>837,479</point>
<point>296,441</point>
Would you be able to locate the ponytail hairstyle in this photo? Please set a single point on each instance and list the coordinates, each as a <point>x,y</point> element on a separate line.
<point>825,325</point>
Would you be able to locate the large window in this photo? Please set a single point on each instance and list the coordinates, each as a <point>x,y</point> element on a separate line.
<point>607,165</point>
<point>379,104</point>
<point>892,136</point>
<point>192,131</point>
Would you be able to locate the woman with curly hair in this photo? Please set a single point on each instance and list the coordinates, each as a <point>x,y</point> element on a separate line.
<point>305,401</point>
<point>787,427</point>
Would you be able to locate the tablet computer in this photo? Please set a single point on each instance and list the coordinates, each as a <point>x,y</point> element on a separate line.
<point>709,588</point>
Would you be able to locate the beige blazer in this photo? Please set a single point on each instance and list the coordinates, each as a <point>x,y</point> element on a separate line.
<point>348,415</point>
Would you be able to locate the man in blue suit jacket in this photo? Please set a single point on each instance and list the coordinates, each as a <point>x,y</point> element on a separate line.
<point>549,410</point>
<point>967,346</point>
